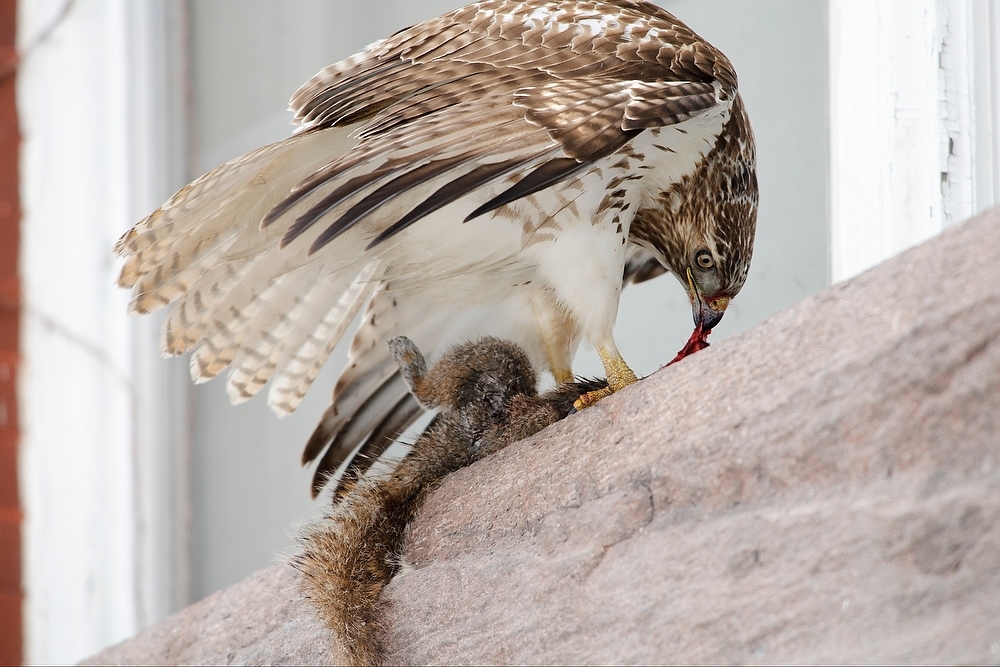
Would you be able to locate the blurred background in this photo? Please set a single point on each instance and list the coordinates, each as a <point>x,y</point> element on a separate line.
<point>137,492</point>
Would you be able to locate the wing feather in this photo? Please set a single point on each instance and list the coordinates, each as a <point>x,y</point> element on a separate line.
<point>168,250</point>
<point>386,432</point>
<point>450,192</point>
<point>378,408</point>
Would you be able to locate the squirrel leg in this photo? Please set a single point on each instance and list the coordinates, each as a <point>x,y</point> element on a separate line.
<point>413,368</point>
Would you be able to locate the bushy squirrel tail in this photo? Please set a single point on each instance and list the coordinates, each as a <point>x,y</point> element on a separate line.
<point>487,397</point>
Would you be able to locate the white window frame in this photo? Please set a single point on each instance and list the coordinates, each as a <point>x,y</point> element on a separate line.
<point>103,447</point>
<point>913,123</point>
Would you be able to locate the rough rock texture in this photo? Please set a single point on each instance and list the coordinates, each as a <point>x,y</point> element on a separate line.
<point>823,488</point>
<point>259,621</point>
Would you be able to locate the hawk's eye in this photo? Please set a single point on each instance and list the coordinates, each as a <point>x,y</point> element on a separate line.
<point>704,259</point>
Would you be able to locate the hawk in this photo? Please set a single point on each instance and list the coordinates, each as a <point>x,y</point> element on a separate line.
<point>503,169</point>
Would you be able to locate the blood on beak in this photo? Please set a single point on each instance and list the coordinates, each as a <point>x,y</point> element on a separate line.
<point>707,312</point>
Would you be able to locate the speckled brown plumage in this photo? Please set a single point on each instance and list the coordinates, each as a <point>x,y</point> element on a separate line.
<point>509,156</point>
<point>638,68</point>
<point>715,207</point>
<point>486,395</point>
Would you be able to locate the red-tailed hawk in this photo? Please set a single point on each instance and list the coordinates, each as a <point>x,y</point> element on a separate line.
<point>511,162</point>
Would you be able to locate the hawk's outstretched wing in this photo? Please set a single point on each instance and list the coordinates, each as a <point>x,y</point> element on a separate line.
<point>270,257</point>
<point>536,89</point>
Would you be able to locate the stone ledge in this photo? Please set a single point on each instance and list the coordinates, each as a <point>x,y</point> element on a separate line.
<point>822,488</point>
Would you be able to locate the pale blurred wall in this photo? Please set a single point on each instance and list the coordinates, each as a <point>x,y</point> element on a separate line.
<point>246,59</point>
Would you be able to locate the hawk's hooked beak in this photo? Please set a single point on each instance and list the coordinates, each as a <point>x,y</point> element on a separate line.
<point>707,312</point>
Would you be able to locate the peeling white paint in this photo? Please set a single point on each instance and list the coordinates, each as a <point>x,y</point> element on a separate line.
<point>956,74</point>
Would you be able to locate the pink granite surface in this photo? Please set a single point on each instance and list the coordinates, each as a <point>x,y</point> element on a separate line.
<point>822,488</point>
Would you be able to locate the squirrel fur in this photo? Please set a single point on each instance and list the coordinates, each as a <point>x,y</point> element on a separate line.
<point>487,398</point>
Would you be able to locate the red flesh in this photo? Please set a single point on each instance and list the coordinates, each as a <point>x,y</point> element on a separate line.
<point>697,341</point>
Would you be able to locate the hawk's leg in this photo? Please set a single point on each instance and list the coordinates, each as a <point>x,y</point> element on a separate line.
<point>619,376</point>
<point>558,334</point>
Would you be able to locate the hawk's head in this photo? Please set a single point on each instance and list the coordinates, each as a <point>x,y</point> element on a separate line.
<point>702,229</point>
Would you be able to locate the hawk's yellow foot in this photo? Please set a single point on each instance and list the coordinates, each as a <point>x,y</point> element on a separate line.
<point>619,377</point>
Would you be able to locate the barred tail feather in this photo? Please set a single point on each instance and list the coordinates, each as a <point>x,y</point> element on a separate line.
<point>300,368</point>
<point>294,308</point>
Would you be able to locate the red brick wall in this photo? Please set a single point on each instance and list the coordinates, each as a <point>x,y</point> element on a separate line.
<point>11,596</point>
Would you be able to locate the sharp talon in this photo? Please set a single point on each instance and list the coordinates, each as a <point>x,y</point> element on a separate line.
<point>591,398</point>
